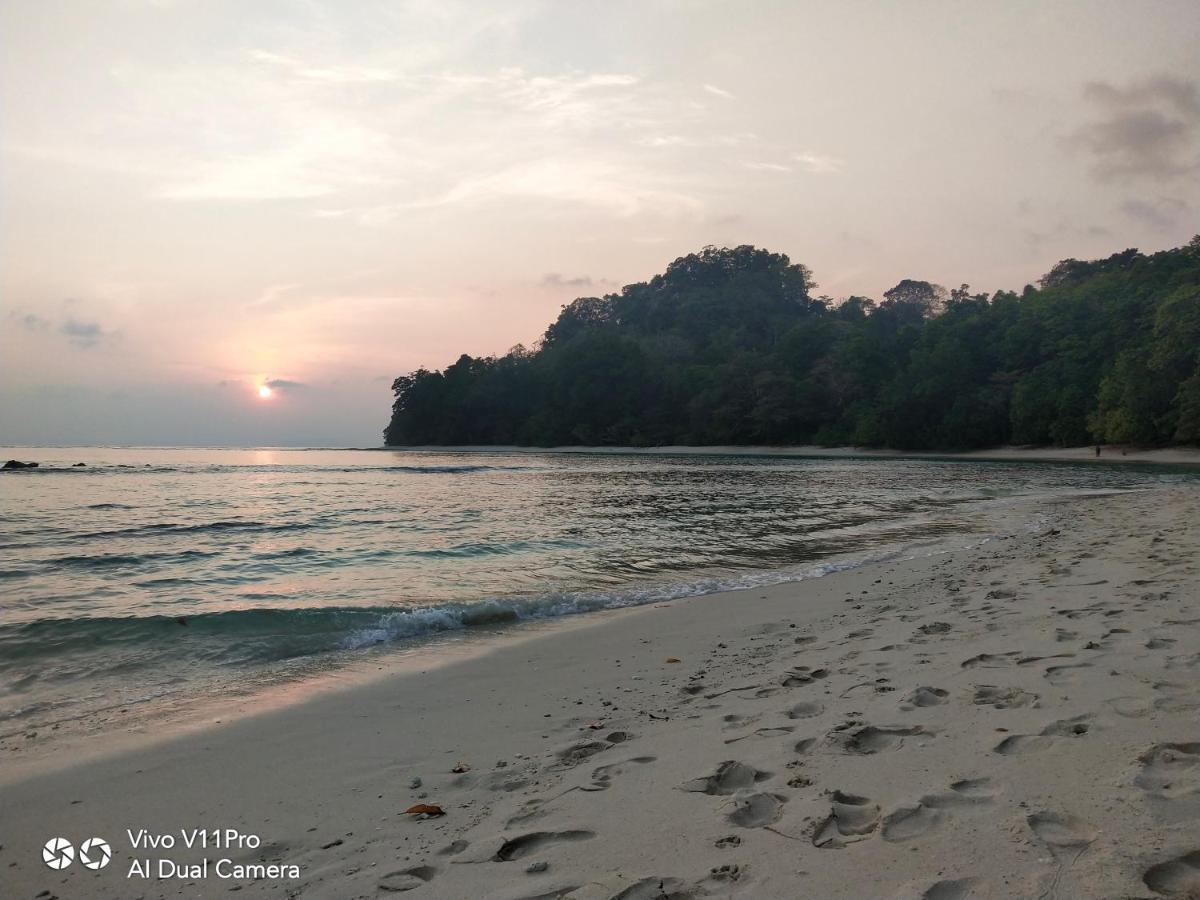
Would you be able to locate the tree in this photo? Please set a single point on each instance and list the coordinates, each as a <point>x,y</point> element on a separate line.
<point>730,346</point>
<point>920,299</point>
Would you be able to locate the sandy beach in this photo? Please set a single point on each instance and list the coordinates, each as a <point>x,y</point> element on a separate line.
<point>1018,720</point>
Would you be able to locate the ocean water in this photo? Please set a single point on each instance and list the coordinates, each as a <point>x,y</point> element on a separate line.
<point>149,575</point>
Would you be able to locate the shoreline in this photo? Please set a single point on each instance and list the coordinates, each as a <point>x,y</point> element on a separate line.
<point>1169,456</point>
<point>1116,455</point>
<point>58,745</point>
<point>976,722</point>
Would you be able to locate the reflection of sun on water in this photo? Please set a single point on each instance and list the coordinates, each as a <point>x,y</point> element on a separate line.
<point>264,392</point>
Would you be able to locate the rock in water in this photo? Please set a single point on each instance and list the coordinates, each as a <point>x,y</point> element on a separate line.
<point>17,464</point>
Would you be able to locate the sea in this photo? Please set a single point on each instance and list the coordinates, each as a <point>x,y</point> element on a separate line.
<point>148,576</point>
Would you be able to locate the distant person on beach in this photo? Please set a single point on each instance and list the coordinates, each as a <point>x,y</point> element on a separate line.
<point>1097,449</point>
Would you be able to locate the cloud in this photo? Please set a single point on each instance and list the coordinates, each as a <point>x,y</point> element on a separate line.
<point>556,280</point>
<point>667,140</point>
<point>83,334</point>
<point>1160,214</point>
<point>767,167</point>
<point>319,154</point>
<point>608,186</point>
<point>274,296</point>
<point>1148,129</point>
<point>283,384</point>
<point>422,140</point>
<point>330,74</point>
<point>818,163</point>
<point>30,321</point>
<point>812,163</point>
<point>719,92</point>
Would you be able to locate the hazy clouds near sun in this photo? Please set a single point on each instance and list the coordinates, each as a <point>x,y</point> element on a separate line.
<point>200,196</point>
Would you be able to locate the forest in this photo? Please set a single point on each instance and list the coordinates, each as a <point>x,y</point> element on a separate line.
<point>732,346</point>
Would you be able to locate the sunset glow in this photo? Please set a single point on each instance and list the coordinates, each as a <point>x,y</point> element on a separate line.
<point>357,189</point>
<point>264,392</point>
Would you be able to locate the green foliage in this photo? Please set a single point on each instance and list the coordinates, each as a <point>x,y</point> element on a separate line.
<point>728,346</point>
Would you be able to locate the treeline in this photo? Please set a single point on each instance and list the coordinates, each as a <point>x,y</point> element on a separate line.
<point>730,346</point>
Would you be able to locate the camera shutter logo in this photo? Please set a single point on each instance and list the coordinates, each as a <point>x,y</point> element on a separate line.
<point>95,853</point>
<point>58,853</point>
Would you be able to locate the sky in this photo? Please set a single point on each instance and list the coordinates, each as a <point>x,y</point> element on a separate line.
<point>202,197</point>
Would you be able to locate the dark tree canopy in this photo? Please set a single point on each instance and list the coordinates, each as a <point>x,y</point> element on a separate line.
<point>729,346</point>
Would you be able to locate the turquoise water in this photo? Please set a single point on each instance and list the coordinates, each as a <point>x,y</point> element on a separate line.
<point>155,573</point>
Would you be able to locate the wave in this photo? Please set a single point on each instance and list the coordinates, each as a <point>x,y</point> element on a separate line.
<point>199,527</point>
<point>125,469</point>
<point>114,560</point>
<point>91,645</point>
<point>92,470</point>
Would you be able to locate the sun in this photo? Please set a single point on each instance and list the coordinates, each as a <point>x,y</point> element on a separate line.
<point>264,392</point>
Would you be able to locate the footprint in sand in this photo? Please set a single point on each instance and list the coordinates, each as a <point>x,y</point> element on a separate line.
<point>523,845</point>
<point>1177,697</point>
<point>911,822</point>
<point>851,818</point>
<point>504,780</point>
<point>933,628</point>
<point>733,720</point>
<point>652,888</point>
<point>602,776</point>
<point>964,793</point>
<point>1068,674</point>
<point>875,739</point>
<point>1179,877</point>
<point>535,808</point>
<point>925,696</point>
<point>1021,743</point>
<point>989,660</point>
<point>1030,660</point>
<point>1003,697</point>
<point>802,675</point>
<point>768,732</point>
<point>805,746</point>
<point>1075,726</point>
<point>726,873</point>
<point>952,889</point>
<point>575,753</point>
<point>1027,743</point>
<point>406,879</point>
<point>754,810</point>
<point>805,710</point>
<point>1190,661</point>
<point>1066,835</point>
<point>1130,707</point>
<point>730,777</point>
<point>1170,771</point>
